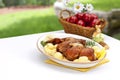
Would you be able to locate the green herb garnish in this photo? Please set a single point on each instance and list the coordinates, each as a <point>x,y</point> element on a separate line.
<point>43,43</point>
<point>90,43</point>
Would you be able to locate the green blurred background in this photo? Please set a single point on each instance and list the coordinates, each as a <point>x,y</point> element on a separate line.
<point>43,19</point>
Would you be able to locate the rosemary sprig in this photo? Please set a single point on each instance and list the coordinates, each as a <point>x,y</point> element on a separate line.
<point>90,43</point>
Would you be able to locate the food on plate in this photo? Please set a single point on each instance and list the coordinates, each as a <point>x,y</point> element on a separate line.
<point>72,53</point>
<point>50,49</point>
<point>73,49</point>
<point>58,55</point>
<point>82,59</point>
<point>89,52</point>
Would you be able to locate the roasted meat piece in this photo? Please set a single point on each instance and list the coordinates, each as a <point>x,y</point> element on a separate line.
<point>70,39</point>
<point>74,40</point>
<point>62,47</point>
<point>82,41</point>
<point>89,52</point>
<point>72,53</point>
<point>55,41</point>
<point>73,48</point>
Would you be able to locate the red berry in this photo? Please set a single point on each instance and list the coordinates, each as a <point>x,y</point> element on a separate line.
<point>87,24</point>
<point>80,16</point>
<point>73,19</point>
<point>81,22</point>
<point>95,22</point>
<point>94,16</point>
<point>87,17</point>
<point>68,19</point>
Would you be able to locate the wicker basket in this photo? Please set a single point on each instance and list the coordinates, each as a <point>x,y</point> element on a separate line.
<point>77,29</point>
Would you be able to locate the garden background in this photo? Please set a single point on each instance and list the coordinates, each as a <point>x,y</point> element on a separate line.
<point>20,17</point>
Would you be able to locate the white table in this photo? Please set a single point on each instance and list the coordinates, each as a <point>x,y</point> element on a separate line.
<point>20,60</point>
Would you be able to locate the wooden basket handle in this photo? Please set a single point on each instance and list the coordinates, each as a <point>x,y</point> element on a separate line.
<point>103,23</point>
<point>69,13</point>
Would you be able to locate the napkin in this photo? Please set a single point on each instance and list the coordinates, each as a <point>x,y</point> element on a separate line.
<point>78,69</point>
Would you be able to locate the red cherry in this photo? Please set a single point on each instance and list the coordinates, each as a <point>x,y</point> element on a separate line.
<point>87,24</point>
<point>80,16</point>
<point>68,19</point>
<point>87,17</point>
<point>81,22</point>
<point>94,16</point>
<point>95,22</point>
<point>73,19</point>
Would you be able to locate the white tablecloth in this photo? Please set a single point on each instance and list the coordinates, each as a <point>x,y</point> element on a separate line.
<point>20,60</point>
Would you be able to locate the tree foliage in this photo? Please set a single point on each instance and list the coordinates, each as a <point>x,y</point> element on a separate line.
<point>26,2</point>
<point>1,4</point>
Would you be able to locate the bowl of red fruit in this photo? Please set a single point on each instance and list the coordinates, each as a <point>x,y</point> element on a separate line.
<point>83,24</point>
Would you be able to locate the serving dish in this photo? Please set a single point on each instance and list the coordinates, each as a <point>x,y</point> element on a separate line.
<point>68,63</point>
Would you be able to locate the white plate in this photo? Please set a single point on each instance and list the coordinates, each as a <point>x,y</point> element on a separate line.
<point>68,63</point>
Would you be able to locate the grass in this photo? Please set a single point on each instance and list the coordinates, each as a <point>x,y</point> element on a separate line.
<point>103,4</point>
<point>36,21</point>
<point>28,22</point>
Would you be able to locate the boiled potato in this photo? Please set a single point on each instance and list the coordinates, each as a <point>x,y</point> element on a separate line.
<point>76,60</point>
<point>84,59</point>
<point>58,55</point>
<point>50,49</point>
